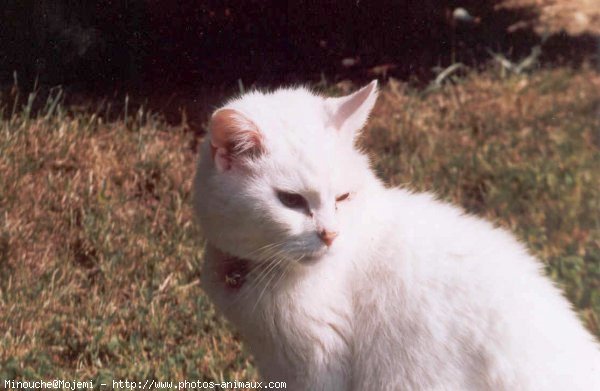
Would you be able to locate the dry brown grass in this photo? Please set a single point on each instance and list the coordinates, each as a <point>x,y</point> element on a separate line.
<point>99,259</point>
<point>573,16</point>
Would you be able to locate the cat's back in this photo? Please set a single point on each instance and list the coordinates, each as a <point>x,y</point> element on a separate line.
<point>455,287</point>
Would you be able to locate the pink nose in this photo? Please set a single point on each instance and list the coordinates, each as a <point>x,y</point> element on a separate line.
<point>327,236</point>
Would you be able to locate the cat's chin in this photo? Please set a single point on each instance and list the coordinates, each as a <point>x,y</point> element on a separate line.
<point>308,261</point>
<point>312,257</point>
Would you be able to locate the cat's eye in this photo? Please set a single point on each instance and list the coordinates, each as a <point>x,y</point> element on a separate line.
<point>342,197</point>
<point>292,200</point>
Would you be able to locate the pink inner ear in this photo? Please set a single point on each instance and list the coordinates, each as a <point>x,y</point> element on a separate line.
<point>232,134</point>
<point>351,112</point>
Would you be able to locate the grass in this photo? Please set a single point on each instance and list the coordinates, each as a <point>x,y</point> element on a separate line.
<point>100,260</point>
<point>573,16</point>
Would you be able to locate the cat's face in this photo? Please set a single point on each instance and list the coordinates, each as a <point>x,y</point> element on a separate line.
<point>280,176</point>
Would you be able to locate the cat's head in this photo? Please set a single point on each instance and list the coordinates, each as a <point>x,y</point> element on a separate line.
<point>280,176</point>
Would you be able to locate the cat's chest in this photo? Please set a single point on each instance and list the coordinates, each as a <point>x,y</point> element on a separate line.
<point>310,308</point>
<point>304,327</point>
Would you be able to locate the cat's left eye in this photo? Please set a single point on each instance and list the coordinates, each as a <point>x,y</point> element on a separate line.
<point>342,197</point>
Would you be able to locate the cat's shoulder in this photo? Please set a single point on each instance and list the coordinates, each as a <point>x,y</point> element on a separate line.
<point>427,224</point>
<point>423,207</point>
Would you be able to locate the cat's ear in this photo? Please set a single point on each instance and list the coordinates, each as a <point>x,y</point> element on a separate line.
<point>233,135</point>
<point>349,113</point>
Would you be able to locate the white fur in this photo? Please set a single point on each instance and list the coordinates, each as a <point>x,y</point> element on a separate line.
<point>412,295</point>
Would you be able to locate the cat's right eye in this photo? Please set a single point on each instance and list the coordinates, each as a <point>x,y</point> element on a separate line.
<point>292,200</point>
<point>343,197</point>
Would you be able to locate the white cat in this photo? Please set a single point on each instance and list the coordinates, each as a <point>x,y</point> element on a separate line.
<point>336,282</point>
